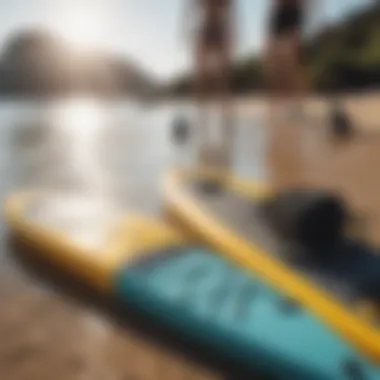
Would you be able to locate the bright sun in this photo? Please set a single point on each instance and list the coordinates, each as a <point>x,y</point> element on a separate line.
<point>81,25</point>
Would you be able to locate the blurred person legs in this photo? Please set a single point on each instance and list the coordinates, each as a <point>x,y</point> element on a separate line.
<point>286,88</point>
<point>212,70</point>
<point>283,62</point>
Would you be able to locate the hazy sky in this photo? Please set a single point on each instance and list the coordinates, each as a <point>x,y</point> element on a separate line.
<point>148,30</point>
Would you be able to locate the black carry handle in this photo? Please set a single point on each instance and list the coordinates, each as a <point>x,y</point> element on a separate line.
<point>312,218</point>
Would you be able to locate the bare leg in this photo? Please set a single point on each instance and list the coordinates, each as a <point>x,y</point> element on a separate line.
<point>285,86</point>
<point>202,97</point>
<point>298,86</point>
<point>228,129</point>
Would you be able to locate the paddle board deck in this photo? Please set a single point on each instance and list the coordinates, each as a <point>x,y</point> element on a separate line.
<point>192,290</point>
<point>344,292</point>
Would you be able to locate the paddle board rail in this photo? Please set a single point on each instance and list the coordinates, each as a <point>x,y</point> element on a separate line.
<point>194,216</point>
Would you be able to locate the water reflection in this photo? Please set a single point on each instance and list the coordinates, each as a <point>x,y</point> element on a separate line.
<point>112,153</point>
<point>60,155</point>
<point>59,149</point>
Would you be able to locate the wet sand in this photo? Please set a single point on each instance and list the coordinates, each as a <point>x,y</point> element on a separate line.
<point>50,330</point>
<point>307,153</point>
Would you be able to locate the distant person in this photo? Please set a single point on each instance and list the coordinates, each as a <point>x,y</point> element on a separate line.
<point>289,23</point>
<point>211,36</point>
<point>283,59</point>
<point>212,39</point>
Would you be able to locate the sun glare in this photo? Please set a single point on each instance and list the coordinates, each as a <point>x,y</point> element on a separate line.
<point>81,25</point>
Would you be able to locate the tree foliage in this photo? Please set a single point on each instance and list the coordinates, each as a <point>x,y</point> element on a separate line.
<point>344,56</point>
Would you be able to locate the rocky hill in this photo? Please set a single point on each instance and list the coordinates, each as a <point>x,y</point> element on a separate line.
<point>38,63</point>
